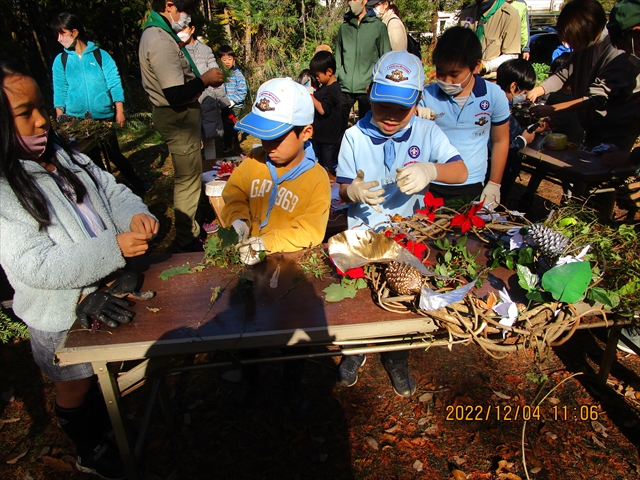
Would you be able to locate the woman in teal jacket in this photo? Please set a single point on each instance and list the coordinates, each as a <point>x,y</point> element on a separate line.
<point>86,84</point>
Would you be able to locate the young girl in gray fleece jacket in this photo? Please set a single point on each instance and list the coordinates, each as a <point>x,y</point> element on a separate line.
<point>65,225</point>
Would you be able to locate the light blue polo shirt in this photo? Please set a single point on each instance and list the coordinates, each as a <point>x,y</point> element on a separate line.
<point>426,143</point>
<point>469,128</point>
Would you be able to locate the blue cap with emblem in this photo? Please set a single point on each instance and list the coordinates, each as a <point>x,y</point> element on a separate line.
<point>398,77</point>
<point>281,104</point>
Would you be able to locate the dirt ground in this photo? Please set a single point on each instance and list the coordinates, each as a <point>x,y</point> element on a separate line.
<point>363,432</point>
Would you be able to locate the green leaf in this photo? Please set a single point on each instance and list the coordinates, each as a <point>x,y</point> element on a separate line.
<point>565,222</point>
<point>525,256</point>
<point>471,270</point>
<point>228,236</point>
<point>607,298</point>
<point>337,292</point>
<point>361,283</point>
<point>568,283</point>
<point>536,296</point>
<point>509,262</point>
<point>448,256</point>
<point>461,241</point>
<point>171,272</point>
<point>527,279</point>
<point>629,288</point>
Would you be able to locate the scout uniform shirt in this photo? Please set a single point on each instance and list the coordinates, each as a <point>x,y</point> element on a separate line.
<point>162,64</point>
<point>501,32</point>
<point>469,129</point>
<point>425,142</point>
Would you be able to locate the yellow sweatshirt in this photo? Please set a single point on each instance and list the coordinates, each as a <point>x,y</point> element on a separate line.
<point>298,218</point>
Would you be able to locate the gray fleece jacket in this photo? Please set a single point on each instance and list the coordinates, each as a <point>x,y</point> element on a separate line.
<point>51,268</point>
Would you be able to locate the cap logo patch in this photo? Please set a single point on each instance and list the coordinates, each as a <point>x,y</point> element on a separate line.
<point>264,105</point>
<point>396,76</point>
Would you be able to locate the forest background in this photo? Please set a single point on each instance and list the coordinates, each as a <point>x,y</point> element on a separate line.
<point>271,37</point>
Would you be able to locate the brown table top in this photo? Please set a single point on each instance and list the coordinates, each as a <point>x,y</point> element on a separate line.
<point>293,312</point>
<point>573,163</point>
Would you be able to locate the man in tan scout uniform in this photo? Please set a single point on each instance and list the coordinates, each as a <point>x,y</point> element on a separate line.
<point>174,84</point>
<point>497,25</point>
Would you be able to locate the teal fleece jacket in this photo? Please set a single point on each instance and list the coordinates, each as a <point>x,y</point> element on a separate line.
<point>51,268</point>
<point>84,86</point>
<point>358,48</point>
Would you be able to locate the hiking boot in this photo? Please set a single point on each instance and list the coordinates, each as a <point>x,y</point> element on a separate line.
<point>401,379</point>
<point>104,461</point>
<point>348,369</point>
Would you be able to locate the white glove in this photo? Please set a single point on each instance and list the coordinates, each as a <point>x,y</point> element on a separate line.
<point>416,177</point>
<point>491,194</point>
<point>426,112</point>
<point>241,228</point>
<point>361,191</point>
<point>249,250</point>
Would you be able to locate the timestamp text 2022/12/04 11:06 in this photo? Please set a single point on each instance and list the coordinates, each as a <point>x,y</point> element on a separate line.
<point>521,412</point>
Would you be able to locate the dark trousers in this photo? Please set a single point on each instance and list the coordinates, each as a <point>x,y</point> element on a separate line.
<point>229,119</point>
<point>327,154</point>
<point>348,100</point>
<point>457,193</point>
<point>111,150</point>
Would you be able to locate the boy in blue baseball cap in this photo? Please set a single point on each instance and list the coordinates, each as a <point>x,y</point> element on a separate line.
<point>386,163</point>
<point>278,199</point>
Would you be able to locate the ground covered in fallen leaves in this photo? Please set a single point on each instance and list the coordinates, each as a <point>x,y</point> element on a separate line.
<point>466,420</point>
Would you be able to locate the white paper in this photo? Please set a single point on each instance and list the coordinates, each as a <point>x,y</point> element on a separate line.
<point>431,300</point>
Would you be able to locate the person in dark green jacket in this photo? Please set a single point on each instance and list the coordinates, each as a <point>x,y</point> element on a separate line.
<point>362,40</point>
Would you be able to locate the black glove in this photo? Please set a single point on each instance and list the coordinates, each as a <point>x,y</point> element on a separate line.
<point>104,307</point>
<point>127,284</point>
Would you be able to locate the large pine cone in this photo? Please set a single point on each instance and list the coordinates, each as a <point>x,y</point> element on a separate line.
<point>550,242</point>
<point>403,279</point>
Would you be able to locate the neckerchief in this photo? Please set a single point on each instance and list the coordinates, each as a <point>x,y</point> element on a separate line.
<point>154,19</point>
<point>307,163</point>
<point>377,137</point>
<point>486,16</point>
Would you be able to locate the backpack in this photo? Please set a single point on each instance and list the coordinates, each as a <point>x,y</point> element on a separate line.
<point>65,57</point>
<point>413,47</point>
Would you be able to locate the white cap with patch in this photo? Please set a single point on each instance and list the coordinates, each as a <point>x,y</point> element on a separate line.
<point>281,104</point>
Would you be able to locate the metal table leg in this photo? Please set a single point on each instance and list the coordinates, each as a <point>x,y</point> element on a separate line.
<point>111,393</point>
<point>609,355</point>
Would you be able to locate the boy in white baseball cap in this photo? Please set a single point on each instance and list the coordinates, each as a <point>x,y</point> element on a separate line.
<point>278,199</point>
<point>394,148</point>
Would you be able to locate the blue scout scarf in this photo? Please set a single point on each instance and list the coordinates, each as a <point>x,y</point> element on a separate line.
<point>376,136</point>
<point>307,163</point>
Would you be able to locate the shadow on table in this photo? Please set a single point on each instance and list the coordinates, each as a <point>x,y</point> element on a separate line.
<point>577,354</point>
<point>216,437</point>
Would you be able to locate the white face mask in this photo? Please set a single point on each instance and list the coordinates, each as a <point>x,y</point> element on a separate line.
<point>183,21</point>
<point>517,99</point>
<point>67,41</point>
<point>184,36</point>
<point>378,12</point>
<point>452,89</point>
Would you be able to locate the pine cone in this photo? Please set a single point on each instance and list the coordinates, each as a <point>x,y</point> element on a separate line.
<point>403,279</point>
<point>550,242</point>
